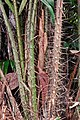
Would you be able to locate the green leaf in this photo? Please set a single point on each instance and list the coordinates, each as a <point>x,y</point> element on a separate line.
<point>5,67</point>
<point>23,3</point>
<point>12,64</point>
<point>10,5</point>
<point>1,64</point>
<point>51,3</point>
<point>72,2</point>
<point>58,118</point>
<point>50,9</point>
<point>66,45</point>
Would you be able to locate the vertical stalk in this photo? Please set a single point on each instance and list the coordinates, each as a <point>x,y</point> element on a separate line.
<point>27,50</point>
<point>29,20</point>
<point>32,75</point>
<point>15,53</point>
<point>19,37</point>
<point>31,70</point>
<point>79,37</point>
<point>56,53</point>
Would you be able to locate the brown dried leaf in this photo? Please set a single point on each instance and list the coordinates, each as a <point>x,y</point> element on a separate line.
<point>12,80</point>
<point>42,42</point>
<point>18,115</point>
<point>43,80</point>
<point>42,76</point>
<point>41,46</point>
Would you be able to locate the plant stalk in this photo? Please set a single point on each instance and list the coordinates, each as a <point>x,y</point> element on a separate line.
<point>32,76</point>
<point>15,53</point>
<point>31,69</point>
<point>19,37</point>
<point>79,37</point>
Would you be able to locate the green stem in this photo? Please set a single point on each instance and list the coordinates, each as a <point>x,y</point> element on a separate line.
<point>79,36</point>
<point>31,69</point>
<point>19,36</point>
<point>27,53</point>
<point>32,75</point>
<point>15,53</point>
<point>29,20</point>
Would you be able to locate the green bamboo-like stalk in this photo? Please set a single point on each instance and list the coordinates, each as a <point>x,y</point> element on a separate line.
<point>32,75</point>
<point>27,32</point>
<point>29,21</point>
<point>19,36</point>
<point>30,39</point>
<point>15,53</point>
<point>79,36</point>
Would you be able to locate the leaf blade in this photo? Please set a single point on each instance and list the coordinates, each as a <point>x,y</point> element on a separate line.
<point>50,9</point>
<point>6,65</point>
<point>51,3</point>
<point>12,64</point>
<point>23,3</point>
<point>10,5</point>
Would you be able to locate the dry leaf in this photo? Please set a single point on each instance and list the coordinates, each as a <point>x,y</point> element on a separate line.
<point>12,80</point>
<point>43,80</point>
<point>42,42</point>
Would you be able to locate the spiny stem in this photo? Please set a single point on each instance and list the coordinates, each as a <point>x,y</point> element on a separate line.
<point>19,37</point>
<point>32,58</point>
<point>15,53</point>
